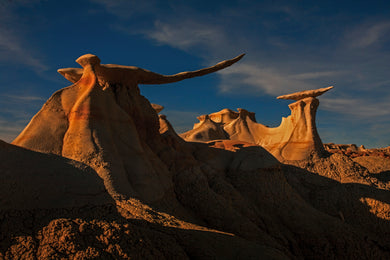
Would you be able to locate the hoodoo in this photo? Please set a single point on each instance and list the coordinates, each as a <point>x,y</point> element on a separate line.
<point>296,138</point>
<point>103,121</point>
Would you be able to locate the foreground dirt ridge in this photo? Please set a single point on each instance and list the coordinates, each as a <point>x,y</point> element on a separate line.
<point>144,193</point>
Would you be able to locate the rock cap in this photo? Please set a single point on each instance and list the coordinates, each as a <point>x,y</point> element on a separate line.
<point>306,93</point>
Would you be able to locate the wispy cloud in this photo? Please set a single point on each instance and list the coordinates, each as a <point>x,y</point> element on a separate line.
<point>22,98</point>
<point>265,80</point>
<point>17,111</point>
<point>125,9</point>
<point>317,74</point>
<point>13,48</point>
<point>357,107</point>
<point>9,130</point>
<point>186,34</point>
<point>367,35</point>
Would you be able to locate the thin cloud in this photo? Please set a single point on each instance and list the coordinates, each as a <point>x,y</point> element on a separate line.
<point>126,9</point>
<point>16,112</point>
<point>357,107</point>
<point>264,80</point>
<point>9,130</point>
<point>13,48</point>
<point>12,51</point>
<point>317,74</point>
<point>185,35</point>
<point>368,34</point>
<point>23,98</point>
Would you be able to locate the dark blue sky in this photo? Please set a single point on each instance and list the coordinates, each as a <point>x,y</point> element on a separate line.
<point>289,46</point>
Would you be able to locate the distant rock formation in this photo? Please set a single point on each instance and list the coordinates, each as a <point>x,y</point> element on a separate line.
<point>330,147</point>
<point>103,121</point>
<point>294,139</point>
<point>352,150</point>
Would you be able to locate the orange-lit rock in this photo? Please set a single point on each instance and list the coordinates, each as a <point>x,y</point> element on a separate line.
<point>157,108</point>
<point>306,93</point>
<point>296,138</point>
<point>103,121</point>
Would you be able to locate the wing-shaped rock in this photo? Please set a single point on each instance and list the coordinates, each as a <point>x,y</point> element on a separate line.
<point>103,121</point>
<point>305,94</point>
<point>296,138</point>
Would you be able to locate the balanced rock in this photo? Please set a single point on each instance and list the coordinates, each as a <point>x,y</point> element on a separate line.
<point>306,93</point>
<point>296,138</point>
<point>103,121</point>
<point>157,108</point>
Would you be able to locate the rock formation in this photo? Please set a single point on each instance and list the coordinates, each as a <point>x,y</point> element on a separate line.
<point>352,150</point>
<point>225,199</point>
<point>305,94</point>
<point>296,138</point>
<point>330,147</point>
<point>157,108</point>
<point>103,121</point>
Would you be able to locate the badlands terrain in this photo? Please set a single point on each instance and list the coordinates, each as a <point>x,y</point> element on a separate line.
<point>99,174</point>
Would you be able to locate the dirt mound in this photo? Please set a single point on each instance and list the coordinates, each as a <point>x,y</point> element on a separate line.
<point>30,180</point>
<point>374,164</point>
<point>359,197</point>
<point>379,167</point>
<point>100,232</point>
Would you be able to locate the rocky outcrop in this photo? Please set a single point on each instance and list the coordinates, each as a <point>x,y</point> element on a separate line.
<point>206,130</point>
<point>332,147</point>
<point>296,138</point>
<point>104,122</point>
<point>157,108</point>
<point>353,151</point>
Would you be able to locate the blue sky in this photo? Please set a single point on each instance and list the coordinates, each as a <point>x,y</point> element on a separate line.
<point>289,45</point>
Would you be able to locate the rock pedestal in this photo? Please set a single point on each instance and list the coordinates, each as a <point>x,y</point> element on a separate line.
<point>296,138</point>
<point>103,121</point>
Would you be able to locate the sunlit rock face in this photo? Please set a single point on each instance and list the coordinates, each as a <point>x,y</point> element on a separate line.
<point>296,138</point>
<point>103,121</point>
